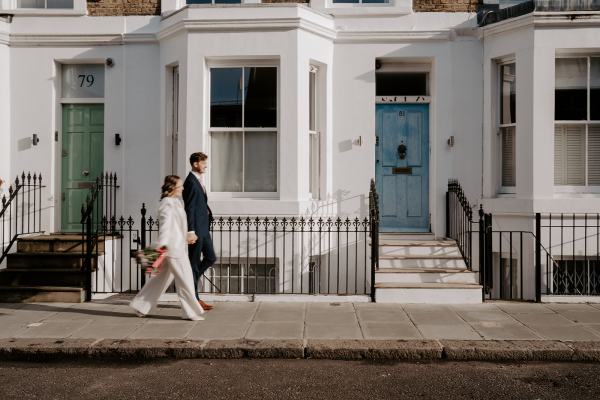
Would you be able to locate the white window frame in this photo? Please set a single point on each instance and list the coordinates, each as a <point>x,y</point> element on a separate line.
<point>79,8</point>
<point>210,129</point>
<point>314,104</point>
<point>499,126</point>
<point>590,189</point>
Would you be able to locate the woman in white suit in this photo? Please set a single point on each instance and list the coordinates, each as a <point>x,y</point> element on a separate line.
<point>172,234</point>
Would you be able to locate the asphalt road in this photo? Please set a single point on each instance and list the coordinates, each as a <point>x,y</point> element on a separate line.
<point>297,379</point>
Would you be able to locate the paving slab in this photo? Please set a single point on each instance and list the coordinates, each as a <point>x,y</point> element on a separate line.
<point>558,307</point>
<point>506,350</point>
<point>332,331</point>
<point>495,330</point>
<point>51,329</point>
<point>543,320</point>
<point>435,318</point>
<point>209,330</point>
<point>163,329</point>
<point>101,329</point>
<point>574,332</point>
<point>331,317</point>
<point>389,330</point>
<point>523,308</point>
<point>410,308</point>
<point>368,312</point>
<point>284,312</point>
<point>486,316</point>
<point>373,349</point>
<point>583,317</point>
<point>448,331</point>
<point>276,330</point>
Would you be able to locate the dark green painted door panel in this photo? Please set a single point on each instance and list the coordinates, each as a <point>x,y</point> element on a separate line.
<point>82,158</point>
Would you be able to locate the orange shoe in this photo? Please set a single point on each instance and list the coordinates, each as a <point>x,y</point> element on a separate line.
<point>205,306</point>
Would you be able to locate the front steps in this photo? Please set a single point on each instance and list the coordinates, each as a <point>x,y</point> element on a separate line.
<point>45,268</point>
<point>422,269</point>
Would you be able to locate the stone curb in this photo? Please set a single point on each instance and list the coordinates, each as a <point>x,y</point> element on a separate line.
<point>400,350</point>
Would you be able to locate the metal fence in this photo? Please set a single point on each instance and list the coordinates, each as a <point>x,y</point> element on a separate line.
<point>255,255</point>
<point>21,211</point>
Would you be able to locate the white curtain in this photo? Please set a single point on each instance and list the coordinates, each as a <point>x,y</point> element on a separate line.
<point>260,162</point>
<point>226,161</point>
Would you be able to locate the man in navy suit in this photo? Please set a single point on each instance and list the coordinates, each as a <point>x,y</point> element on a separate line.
<point>199,218</point>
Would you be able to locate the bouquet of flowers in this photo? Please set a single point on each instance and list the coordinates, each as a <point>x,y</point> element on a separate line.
<point>151,259</point>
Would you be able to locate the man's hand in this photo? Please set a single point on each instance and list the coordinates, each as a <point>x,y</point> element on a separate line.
<point>191,238</point>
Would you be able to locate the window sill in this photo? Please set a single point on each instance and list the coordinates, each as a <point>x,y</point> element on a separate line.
<point>393,8</point>
<point>42,12</point>
<point>576,191</point>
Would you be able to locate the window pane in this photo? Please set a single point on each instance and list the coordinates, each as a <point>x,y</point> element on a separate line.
<point>375,1</point>
<point>508,156</point>
<point>260,162</point>
<point>226,162</point>
<point>569,155</point>
<point>594,155</point>
<point>68,4</point>
<point>83,81</point>
<point>31,4</point>
<point>346,1</point>
<point>198,1</point>
<point>595,89</point>
<point>570,97</point>
<point>227,1</point>
<point>226,97</point>
<point>314,170</point>
<point>261,97</point>
<point>508,94</point>
<point>400,84</point>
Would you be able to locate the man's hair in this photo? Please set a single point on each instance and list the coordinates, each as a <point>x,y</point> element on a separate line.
<point>199,156</point>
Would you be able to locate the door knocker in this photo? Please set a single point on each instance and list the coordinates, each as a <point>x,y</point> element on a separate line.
<point>402,151</point>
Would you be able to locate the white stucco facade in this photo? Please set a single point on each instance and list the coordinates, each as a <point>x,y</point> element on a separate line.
<point>345,43</point>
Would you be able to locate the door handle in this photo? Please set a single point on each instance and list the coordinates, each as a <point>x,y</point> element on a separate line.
<point>86,173</point>
<point>402,151</point>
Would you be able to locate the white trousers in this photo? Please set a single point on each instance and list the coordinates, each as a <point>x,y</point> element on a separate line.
<point>173,268</point>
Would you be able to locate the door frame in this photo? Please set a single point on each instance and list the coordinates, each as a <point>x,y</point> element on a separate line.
<point>55,216</point>
<point>415,100</point>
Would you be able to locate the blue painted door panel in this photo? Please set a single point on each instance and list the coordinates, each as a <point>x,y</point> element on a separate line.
<point>403,176</point>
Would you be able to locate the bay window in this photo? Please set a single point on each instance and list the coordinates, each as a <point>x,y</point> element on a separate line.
<point>243,129</point>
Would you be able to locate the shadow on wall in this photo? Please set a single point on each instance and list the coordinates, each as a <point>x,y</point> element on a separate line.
<point>340,204</point>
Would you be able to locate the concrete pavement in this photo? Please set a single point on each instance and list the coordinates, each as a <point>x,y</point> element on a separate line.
<point>497,330</point>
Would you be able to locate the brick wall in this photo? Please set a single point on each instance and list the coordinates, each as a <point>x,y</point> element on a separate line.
<point>102,8</point>
<point>444,5</point>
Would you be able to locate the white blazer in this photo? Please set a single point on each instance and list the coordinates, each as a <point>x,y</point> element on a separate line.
<point>172,227</point>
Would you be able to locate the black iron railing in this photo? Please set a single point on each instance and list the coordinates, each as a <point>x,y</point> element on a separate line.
<point>97,222</point>
<point>21,211</point>
<point>374,233</point>
<point>255,255</point>
<point>459,220</point>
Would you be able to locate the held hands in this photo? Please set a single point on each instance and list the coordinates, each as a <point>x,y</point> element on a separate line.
<point>191,238</point>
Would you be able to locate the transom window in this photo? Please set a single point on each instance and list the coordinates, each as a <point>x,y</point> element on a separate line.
<point>45,4</point>
<point>507,122</point>
<point>577,121</point>
<point>243,129</point>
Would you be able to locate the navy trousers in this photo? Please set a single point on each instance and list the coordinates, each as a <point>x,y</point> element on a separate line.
<point>204,247</point>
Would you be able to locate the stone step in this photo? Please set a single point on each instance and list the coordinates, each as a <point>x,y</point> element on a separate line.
<point>417,243</point>
<point>425,275</point>
<point>47,260</point>
<point>386,236</point>
<point>41,294</point>
<point>420,251</point>
<point>428,293</point>
<point>42,277</point>
<point>54,243</point>
<point>421,262</point>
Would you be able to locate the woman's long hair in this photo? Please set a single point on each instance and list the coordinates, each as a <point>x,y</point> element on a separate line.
<point>169,185</point>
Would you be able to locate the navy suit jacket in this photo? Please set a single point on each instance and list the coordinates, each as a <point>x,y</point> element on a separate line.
<point>198,212</point>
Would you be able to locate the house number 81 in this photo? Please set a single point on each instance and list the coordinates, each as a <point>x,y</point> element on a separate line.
<point>87,80</point>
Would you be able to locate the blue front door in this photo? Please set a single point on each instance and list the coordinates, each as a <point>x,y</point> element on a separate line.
<point>402,167</point>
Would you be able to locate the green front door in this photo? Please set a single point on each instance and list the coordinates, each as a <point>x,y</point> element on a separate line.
<point>82,158</point>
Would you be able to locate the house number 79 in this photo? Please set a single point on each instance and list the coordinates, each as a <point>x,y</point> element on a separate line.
<point>87,80</point>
